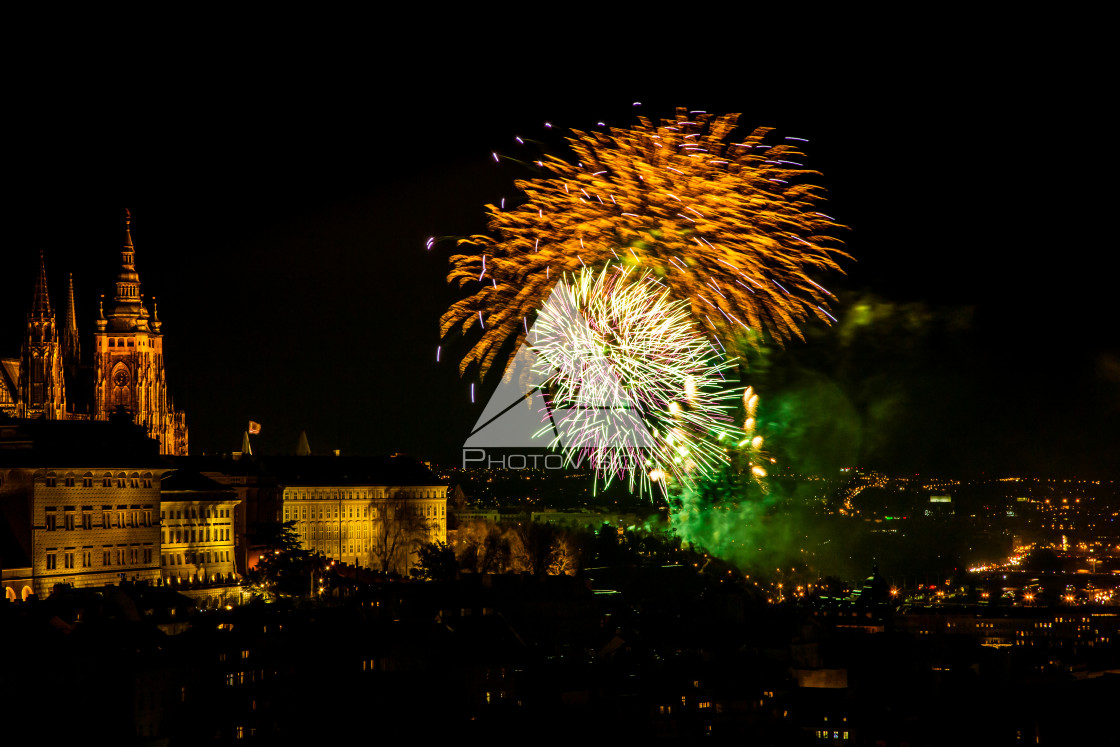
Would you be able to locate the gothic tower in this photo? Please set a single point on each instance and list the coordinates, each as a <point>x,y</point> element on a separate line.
<point>128,368</point>
<point>70,347</point>
<point>42,392</point>
<point>71,351</point>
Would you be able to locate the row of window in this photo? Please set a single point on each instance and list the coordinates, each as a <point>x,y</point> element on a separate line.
<point>207,512</point>
<point>109,557</point>
<point>106,482</point>
<point>177,536</point>
<point>132,519</point>
<point>296,513</point>
<point>364,494</point>
<point>349,548</point>
<point>195,558</point>
<point>331,531</point>
<point>127,342</point>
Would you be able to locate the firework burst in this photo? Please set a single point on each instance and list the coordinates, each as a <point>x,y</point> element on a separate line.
<point>632,386</point>
<point>731,228</point>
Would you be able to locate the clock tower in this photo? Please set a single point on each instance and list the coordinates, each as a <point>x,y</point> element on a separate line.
<point>128,369</point>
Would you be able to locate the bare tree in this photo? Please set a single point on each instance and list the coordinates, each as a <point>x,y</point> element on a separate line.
<point>522,547</point>
<point>399,529</point>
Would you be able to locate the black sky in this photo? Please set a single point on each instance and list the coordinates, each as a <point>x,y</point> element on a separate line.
<point>281,224</point>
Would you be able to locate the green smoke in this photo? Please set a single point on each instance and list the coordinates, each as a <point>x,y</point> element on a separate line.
<point>739,519</point>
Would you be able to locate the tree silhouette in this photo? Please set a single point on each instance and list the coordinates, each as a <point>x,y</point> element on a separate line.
<point>398,532</point>
<point>283,561</point>
<point>435,561</point>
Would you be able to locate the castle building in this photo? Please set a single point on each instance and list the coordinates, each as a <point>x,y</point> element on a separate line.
<point>372,512</point>
<point>128,370</point>
<point>80,504</point>
<point>128,361</point>
<point>370,525</point>
<point>196,529</point>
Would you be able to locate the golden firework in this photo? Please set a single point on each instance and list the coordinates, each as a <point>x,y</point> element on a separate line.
<point>731,227</point>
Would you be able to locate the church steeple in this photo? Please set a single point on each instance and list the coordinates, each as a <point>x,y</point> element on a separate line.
<point>41,303</point>
<point>71,349</point>
<point>128,364</point>
<point>42,389</point>
<point>127,313</point>
<point>128,282</point>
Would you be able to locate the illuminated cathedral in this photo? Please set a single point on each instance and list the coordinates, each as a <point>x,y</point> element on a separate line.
<point>127,378</point>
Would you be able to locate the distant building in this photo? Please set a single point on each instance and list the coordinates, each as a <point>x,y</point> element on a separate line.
<point>940,506</point>
<point>80,504</point>
<point>365,511</point>
<point>49,381</point>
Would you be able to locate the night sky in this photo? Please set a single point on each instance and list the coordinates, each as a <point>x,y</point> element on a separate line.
<point>282,229</point>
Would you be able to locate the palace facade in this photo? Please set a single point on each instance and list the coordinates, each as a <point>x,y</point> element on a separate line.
<point>372,512</point>
<point>80,505</point>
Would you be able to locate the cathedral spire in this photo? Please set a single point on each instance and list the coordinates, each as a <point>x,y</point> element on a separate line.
<point>41,303</point>
<point>70,347</point>
<point>128,281</point>
<point>42,389</point>
<point>127,312</point>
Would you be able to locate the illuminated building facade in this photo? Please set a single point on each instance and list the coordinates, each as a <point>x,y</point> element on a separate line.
<point>376,526</point>
<point>366,511</point>
<point>128,370</point>
<point>196,530</point>
<point>128,361</point>
<point>34,384</point>
<point>80,502</point>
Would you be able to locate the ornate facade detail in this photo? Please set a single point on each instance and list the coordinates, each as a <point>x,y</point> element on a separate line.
<point>42,389</point>
<point>128,371</point>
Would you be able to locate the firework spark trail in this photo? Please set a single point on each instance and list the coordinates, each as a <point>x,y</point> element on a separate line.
<point>632,382</point>
<point>646,194</point>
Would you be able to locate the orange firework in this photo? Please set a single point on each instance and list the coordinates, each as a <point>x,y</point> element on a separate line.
<point>731,227</point>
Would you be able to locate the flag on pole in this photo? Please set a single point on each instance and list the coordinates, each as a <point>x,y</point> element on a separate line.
<point>254,428</point>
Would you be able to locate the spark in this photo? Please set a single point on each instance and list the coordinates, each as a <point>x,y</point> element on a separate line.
<point>759,210</point>
<point>622,357</point>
